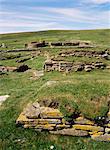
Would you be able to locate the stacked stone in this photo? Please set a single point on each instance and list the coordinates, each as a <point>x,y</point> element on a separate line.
<point>85,53</point>
<point>46,118</point>
<point>7,68</point>
<point>63,66</point>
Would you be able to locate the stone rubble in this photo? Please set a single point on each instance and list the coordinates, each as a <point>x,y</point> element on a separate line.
<point>51,119</point>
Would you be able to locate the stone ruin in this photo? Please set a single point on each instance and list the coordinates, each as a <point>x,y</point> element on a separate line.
<point>78,43</point>
<point>49,118</point>
<point>7,68</point>
<point>64,66</point>
<point>85,53</point>
<point>3,45</point>
<point>36,44</point>
<point>21,68</point>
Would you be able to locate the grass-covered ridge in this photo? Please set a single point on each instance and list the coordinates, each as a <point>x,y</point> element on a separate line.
<point>89,97</point>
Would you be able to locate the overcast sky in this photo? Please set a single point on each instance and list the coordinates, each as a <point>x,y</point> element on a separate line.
<point>35,15</point>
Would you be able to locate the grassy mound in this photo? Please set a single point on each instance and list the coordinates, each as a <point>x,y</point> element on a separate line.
<point>89,98</point>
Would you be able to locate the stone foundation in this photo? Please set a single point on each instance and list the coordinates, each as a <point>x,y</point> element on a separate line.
<point>78,43</point>
<point>7,69</point>
<point>85,53</point>
<point>45,118</point>
<point>64,66</point>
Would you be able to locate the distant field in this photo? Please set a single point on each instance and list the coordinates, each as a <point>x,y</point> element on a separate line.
<point>22,90</point>
<point>17,40</point>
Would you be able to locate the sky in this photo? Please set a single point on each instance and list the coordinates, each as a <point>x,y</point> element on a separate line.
<point>38,15</point>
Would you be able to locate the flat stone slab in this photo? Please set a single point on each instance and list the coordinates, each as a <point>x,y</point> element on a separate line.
<point>88,128</point>
<point>105,137</point>
<point>83,121</point>
<point>3,98</point>
<point>71,131</point>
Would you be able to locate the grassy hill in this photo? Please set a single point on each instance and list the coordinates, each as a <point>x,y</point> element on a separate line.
<point>17,40</point>
<point>77,87</point>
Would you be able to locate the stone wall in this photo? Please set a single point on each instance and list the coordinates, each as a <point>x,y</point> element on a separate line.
<point>85,53</point>
<point>7,68</point>
<point>52,120</point>
<point>63,66</point>
<point>36,44</point>
<point>20,68</point>
<point>78,43</point>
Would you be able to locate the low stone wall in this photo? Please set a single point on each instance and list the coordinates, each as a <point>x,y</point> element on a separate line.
<point>7,68</point>
<point>70,66</point>
<point>45,118</point>
<point>36,44</point>
<point>20,68</point>
<point>78,43</point>
<point>85,53</point>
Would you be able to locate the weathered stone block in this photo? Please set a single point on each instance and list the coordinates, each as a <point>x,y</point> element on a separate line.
<point>107,125</point>
<point>95,133</point>
<point>36,105</point>
<point>22,119</point>
<point>45,127</point>
<point>62,126</point>
<point>71,131</point>
<point>88,127</point>
<point>83,121</point>
<point>107,130</point>
<point>33,113</point>
<point>105,137</point>
<point>49,121</point>
<point>47,112</point>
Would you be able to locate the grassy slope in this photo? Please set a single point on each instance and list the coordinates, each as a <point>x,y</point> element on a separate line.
<point>23,90</point>
<point>100,37</point>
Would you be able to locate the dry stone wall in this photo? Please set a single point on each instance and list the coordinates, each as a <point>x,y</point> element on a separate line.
<point>52,120</point>
<point>78,43</point>
<point>63,66</point>
<point>84,53</point>
<point>7,68</point>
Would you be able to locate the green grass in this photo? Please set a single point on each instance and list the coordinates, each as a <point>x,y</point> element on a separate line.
<point>17,40</point>
<point>21,91</point>
<point>84,94</point>
<point>76,89</point>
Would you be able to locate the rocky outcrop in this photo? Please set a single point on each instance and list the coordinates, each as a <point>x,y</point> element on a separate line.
<point>43,116</point>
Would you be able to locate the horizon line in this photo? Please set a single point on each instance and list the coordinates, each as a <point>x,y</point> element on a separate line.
<point>55,30</point>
